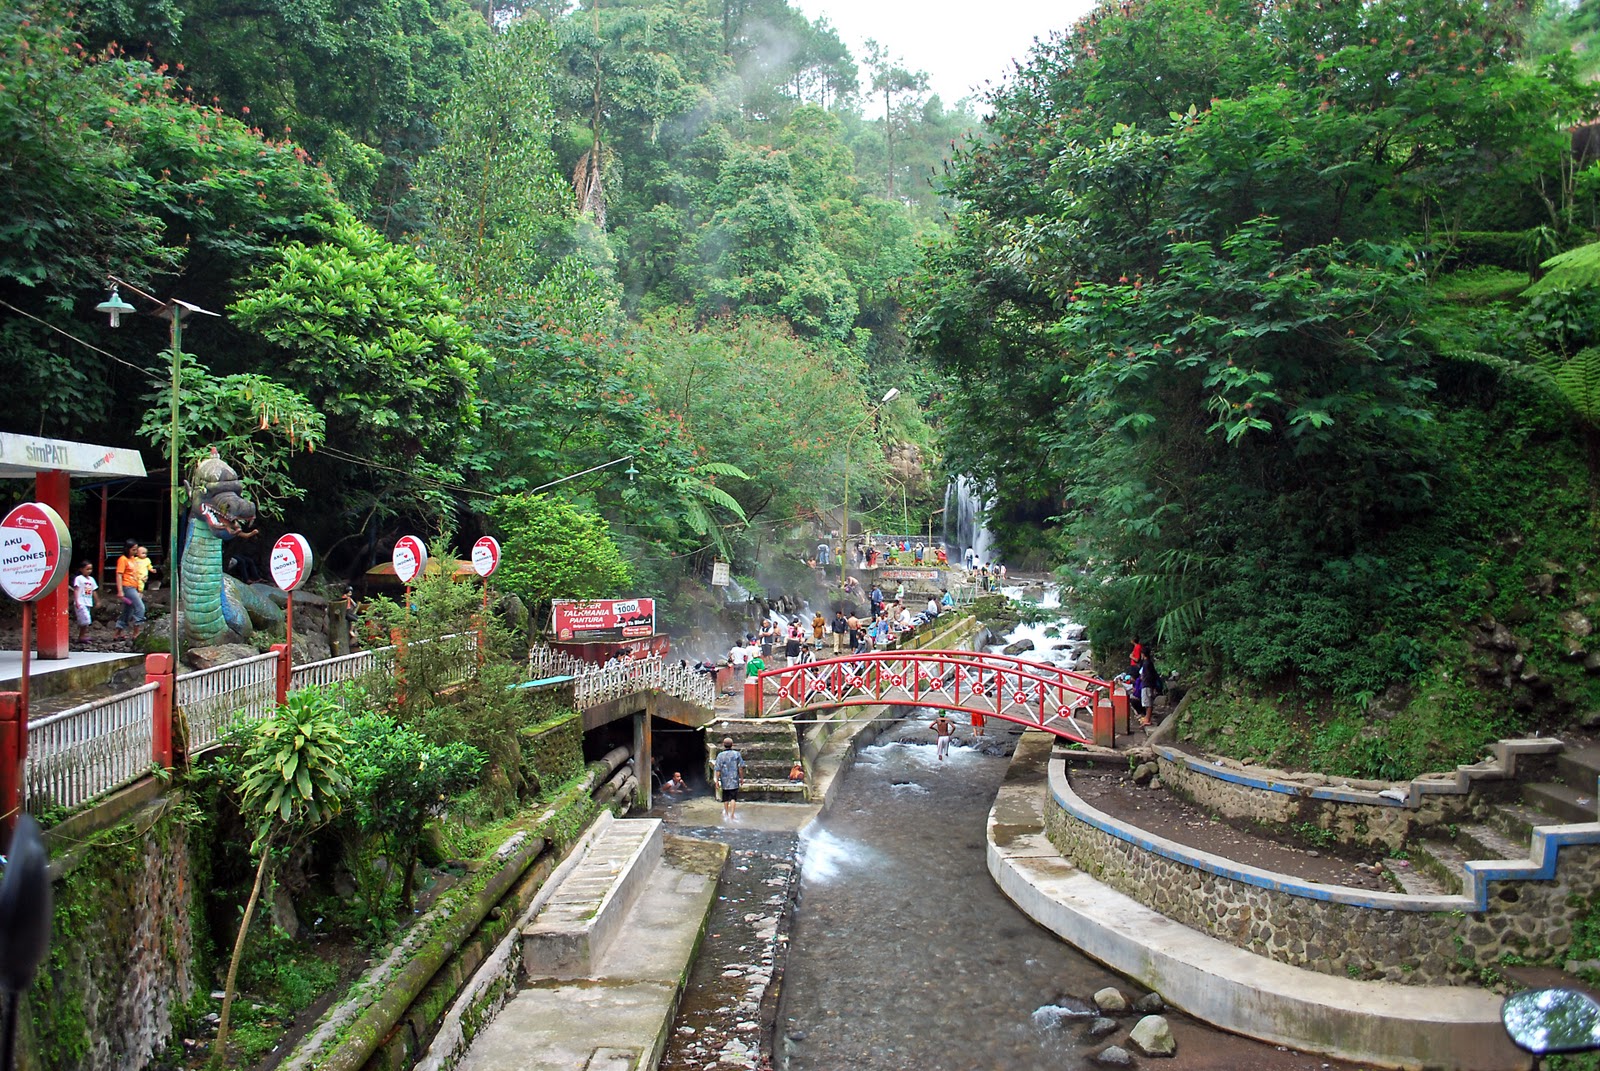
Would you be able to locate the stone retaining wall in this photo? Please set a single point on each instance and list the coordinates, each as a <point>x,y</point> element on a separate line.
<point>1335,930</point>
<point>1377,813</point>
<point>121,964</point>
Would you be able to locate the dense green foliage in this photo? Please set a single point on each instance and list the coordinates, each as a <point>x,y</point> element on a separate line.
<point>422,309</point>
<point>1194,265</point>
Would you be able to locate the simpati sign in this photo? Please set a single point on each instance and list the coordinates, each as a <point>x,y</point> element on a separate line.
<point>35,548</point>
<point>604,619</point>
<point>290,563</point>
<point>486,556</point>
<point>410,558</point>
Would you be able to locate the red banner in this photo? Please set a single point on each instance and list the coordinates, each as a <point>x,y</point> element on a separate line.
<point>604,619</point>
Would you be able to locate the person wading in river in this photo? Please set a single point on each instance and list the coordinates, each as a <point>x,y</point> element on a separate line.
<point>730,772</point>
<point>943,728</point>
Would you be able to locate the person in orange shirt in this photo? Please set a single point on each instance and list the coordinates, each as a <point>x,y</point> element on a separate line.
<point>130,589</point>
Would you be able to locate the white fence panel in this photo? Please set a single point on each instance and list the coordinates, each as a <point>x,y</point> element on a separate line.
<point>210,698</point>
<point>88,750</point>
<point>340,668</point>
<point>601,684</point>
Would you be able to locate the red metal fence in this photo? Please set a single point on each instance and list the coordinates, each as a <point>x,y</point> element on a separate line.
<point>1071,705</point>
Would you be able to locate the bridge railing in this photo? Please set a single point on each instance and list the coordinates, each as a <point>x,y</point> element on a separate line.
<point>601,684</point>
<point>1038,694</point>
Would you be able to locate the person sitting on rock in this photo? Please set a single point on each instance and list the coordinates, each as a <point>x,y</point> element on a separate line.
<point>675,787</point>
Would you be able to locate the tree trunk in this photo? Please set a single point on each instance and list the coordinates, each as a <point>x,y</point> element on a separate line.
<point>219,1047</point>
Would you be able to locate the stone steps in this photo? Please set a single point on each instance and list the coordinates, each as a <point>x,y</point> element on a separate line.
<point>770,749</point>
<point>1481,841</point>
<point>1580,768</point>
<point>772,790</point>
<point>1568,804</point>
<point>580,920</point>
<point>1414,880</point>
<point>1443,863</point>
<point>1517,820</point>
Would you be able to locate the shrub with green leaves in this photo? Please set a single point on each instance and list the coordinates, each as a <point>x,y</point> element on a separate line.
<point>398,779</point>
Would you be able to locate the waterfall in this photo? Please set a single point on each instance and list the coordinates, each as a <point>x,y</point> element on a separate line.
<point>963,521</point>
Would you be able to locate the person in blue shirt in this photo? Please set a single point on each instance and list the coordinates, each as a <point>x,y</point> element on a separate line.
<point>729,766</point>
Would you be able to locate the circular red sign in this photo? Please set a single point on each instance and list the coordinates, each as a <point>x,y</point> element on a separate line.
<point>290,563</point>
<point>410,558</point>
<point>35,548</point>
<point>486,555</point>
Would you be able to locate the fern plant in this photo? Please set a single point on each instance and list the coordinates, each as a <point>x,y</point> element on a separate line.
<point>1572,381</point>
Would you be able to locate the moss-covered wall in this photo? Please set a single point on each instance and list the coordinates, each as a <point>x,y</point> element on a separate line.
<point>122,962</point>
<point>552,744</point>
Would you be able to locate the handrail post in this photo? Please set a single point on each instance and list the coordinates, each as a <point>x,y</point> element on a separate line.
<point>158,671</point>
<point>11,754</point>
<point>281,674</point>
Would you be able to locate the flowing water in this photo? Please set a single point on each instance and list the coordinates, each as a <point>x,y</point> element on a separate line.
<point>963,521</point>
<point>905,954</point>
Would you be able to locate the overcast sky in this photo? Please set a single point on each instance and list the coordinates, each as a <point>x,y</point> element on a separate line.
<point>960,43</point>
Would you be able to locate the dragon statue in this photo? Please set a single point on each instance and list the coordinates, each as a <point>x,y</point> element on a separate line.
<point>218,608</point>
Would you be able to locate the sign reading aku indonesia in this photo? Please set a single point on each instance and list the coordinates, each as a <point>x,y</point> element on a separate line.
<point>486,556</point>
<point>290,563</point>
<point>35,548</point>
<point>604,619</point>
<point>410,558</point>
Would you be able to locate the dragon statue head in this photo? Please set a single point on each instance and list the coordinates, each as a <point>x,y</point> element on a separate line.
<point>215,493</point>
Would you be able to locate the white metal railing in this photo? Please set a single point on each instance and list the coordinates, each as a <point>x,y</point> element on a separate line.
<point>84,752</point>
<point>338,668</point>
<point>600,684</point>
<point>210,698</point>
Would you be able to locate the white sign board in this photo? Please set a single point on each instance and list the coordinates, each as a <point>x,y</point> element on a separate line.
<point>290,564</point>
<point>410,558</point>
<point>486,555</point>
<point>35,548</point>
<point>28,454</point>
<point>720,574</point>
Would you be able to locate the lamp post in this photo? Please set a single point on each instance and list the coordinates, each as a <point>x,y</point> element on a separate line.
<point>844,532</point>
<point>173,311</point>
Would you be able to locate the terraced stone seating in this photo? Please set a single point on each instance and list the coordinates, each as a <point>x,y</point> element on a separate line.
<point>1437,865</point>
<point>585,913</point>
<point>770,749</point>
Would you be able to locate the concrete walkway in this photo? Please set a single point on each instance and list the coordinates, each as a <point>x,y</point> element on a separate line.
<point>1380,1023</point>
<point>618,1018</point>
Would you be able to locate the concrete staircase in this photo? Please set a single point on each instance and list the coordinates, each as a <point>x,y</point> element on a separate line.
<point>770,749</point>
<point>604,961</point>
<point>1438,866</point>
<point>567,939</point>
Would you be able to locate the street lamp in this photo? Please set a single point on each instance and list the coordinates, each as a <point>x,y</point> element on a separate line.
<point>173,311</point>
<point>844,533</point>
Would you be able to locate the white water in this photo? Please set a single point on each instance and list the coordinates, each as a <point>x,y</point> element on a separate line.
<point>964,527</point>
<point>1053,640</point>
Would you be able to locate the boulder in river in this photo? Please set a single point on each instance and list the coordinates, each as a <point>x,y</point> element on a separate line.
<point>1153,1037</point>
<point>1113,1056</point>
<point>1102,1027</point>
<point>1110,1000</point>
<point>1019,647</point>
<point>1150,1004</point>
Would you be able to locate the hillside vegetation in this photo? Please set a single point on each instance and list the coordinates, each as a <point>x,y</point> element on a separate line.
<point>1248,287</point>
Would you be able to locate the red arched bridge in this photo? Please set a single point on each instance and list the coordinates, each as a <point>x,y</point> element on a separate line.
<point>1035,694</point>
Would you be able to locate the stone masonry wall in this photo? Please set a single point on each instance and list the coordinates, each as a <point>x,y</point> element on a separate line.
<point>1532,919</point>
<point>1350,822</point>
<point>121,961</point>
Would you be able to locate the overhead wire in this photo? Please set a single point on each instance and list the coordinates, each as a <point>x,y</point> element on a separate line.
<point>75,338</point>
